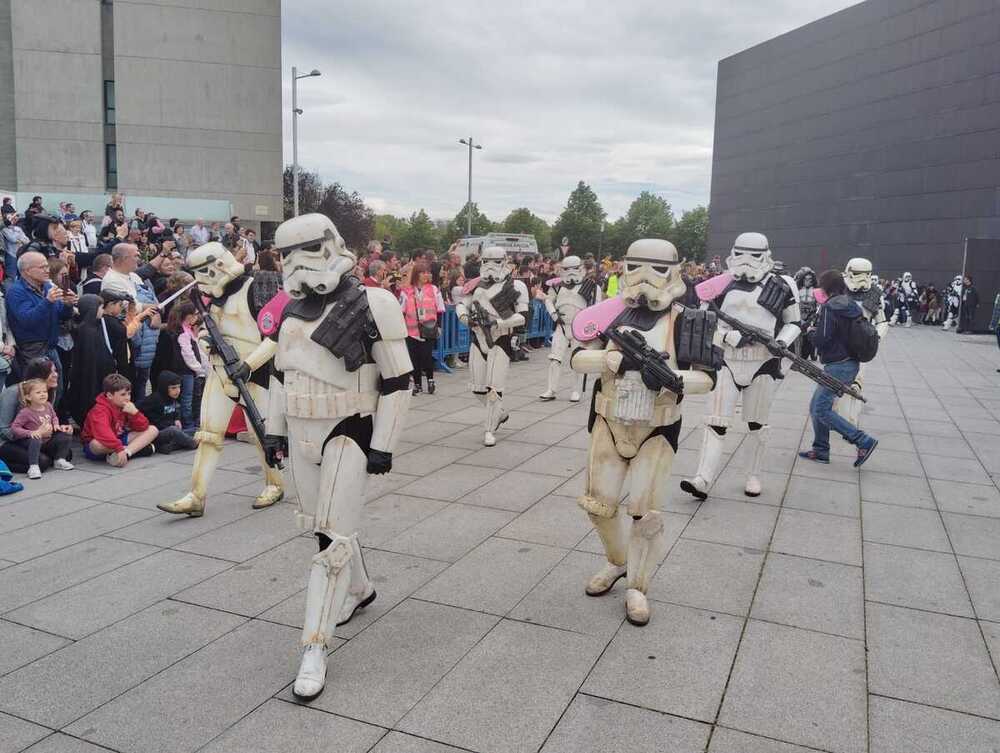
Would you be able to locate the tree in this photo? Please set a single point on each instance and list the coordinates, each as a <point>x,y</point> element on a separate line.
<point>354,220</point>
<point>419,233</point>
<point>310,192</point>
<point>691,235</point>
<point>388,226</point>
<point>581,221</point>
<point>649,216</point>
<point>523,220</point>
<point>481,225</point>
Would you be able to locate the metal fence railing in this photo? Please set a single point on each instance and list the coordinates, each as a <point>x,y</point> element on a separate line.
<point>454,338</point>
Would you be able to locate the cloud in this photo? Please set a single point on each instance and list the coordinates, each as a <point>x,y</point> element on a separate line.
<point>621,95</point>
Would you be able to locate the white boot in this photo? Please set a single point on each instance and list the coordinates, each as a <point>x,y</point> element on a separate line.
<point>362,590</point>
<point>636,607</point>
<point>495,417</point>
<point>605,579</point>
<point>645,548</point>
<point>312,672</point>
<point>555,369</point>
<point>189,504</point>
<point>271,495</point>
<point>753,486</point>
<point>709,463</point>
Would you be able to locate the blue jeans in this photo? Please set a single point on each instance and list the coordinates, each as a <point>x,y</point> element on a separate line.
<point>823,416</point>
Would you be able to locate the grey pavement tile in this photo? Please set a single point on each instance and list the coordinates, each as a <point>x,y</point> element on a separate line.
<point>673,525</point>
<point>223,482</point>
<point>514,490</point>
<point>955,469</point>
<point>934,428</point>
<point>930,658</point>
<point>97,603</point>
<point>736,523</point>
<point>6,563</point>
<point>915,578</point>
<point>710,576</point>
<point>732,482</point>
<point>493,577</point>
<point>142,478</point>
<point>279,727</point>
<point>448,534</point>
<point>545,433</point>
<point>397,742</point>
<point>470,438</point>
<point>893,441</point>
<point>573,487</point>
<point>392,514</point>
<point>875,424</point>
<point>686,463</point>
<point>596,725</point>
<point>69,683</point>
<point>23,513</point>
<point>979,426</point>
<point>977,537</point>
<point>508,692</point>
<point>559,601</point>
<point>507,454</point>
<point>215,687</point>
<point>786,439</point>
<point>557,461</point>
<point>259,583</point>
<point>20,645</point>
<point>168,530</point>
<point>383,672</point>
<point>810,594</point>
<point>968,499</point>
<point>908,491</point>
<point>579,440</point>
<point>904,526</point>
<point>991,631</point>
<point>52,483</point>
<point>451,483</point>
<point>59,743</point>
<point>824,537</point>
<point>16,734</point>
<point>776,459</point>
<point>47,536</point>
<point>382,484</point>
<point>984,446</point>
<point>821,495</point>
<point>427,459</point>
<point>839,469</point>
<point>982,578</point>
<point>898,463</point>
<point>950,447</point>
<point>901,727</point>
<point>247,537</point>
<point>552,520</point>
<point>815,688</point>
<point>732,741</point>
<point>35,579</point>
<point>677,664</point>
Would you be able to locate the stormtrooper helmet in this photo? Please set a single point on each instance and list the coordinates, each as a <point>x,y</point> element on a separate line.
<point>907,277</point>
<point>652,274</point>
<point>750,258</point>
<point>314,256</point>
<point>858,274</point>
<point>571,271</point>
<point>493,266</point>
<point>957,282</point>
<point>805,278</point>
<point>213,267</point>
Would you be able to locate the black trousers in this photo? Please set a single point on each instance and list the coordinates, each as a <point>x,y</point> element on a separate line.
<point>20,453</point>
<point>422,356</point>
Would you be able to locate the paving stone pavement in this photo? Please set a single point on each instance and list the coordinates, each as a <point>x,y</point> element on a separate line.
<point>842,611</point>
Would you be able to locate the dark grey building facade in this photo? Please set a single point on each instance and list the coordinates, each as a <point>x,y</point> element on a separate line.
<point>873,132</point>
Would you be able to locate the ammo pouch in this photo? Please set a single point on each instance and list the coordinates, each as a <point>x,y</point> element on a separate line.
<point>348,328</point>
<point>505,301</point>
<point>775,296</point>
<point>695,341</point>
<point>588,290</point>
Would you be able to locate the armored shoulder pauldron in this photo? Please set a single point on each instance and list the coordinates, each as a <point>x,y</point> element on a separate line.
<point>774,295</point>
<point>348,330</point>
<point>588,291</point>
<point>505,301</point>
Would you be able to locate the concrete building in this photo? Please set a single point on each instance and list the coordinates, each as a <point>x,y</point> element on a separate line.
<point>176,103</point>
<point>873,132</point>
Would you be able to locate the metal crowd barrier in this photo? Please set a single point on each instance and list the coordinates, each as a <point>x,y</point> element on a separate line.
<point>455,338</point>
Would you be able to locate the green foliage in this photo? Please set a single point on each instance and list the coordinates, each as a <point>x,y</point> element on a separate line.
<point>524,221</point>
<point>481,225</point>
<point>420,233</point>
<point>649,216</point>
<point>691,236</point>
<point>354,220</point>
<point>581,221</point>
<point>388,226</point>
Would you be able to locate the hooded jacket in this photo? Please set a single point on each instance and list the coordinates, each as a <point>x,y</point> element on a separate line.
<point>832,328</point>
<point>106,423</point>
<point>161,409</point>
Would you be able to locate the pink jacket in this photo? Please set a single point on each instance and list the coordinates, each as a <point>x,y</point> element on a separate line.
<point>420,305</point>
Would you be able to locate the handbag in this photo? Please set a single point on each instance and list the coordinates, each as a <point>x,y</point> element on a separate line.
<point>428,330</point>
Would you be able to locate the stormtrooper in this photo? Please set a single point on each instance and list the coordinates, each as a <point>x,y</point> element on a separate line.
<point>906,298</point>
<point>753,294</point>
<point>635,418</point>
<point>492,306</point>
<point>863,288</point>
<point>567,296</point>
<point>234,300</point>
<point>338,403</point>
<point>953,302</point>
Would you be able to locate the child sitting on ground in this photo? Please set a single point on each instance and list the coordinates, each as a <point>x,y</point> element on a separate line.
<point>36,428</point>
<point>163,410</point>
<point>106,430</point>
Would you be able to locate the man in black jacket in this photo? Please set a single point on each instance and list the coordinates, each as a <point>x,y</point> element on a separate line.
<point>831,341</point>
<point>970,302</point>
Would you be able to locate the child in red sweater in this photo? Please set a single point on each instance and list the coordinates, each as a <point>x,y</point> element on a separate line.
<point>106,429</point>
<point>37,428</point>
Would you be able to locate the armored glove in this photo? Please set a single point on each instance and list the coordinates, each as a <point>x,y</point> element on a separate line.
<point>379,462</point>
<point>275,449</point>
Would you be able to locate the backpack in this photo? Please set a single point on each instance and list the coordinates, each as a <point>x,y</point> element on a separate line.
<point>862,339</point>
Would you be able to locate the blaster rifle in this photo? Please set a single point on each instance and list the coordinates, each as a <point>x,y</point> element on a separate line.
<point>231,363</point>
<point>797,363</point>
<point>479,317</point>
<point>649,361</point>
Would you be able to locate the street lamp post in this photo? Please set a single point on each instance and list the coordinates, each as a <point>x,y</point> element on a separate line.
<point>468,207</point>
<point>295,133</point>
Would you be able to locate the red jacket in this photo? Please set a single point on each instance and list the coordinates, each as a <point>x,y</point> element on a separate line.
<point>106,424</point>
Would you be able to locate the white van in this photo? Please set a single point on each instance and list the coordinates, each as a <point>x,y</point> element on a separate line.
<point>513,242</point>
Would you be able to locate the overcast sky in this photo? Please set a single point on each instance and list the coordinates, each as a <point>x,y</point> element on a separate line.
<point>621,95</point>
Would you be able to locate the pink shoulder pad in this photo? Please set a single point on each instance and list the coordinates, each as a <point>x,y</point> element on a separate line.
<point>553,281</point>
<point>713,287</point>
<point>269,318</point>
<point>592,321</point>
<point>470,285</point>
<point>820,296</point>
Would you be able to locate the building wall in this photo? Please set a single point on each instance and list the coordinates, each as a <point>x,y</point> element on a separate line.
<point>199,101</point>
<point>8,150</point>
<point>874,132</point>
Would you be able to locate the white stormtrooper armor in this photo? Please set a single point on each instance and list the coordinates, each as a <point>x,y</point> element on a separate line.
<point>491,351</point>
<point>234,300</point>
<point>906,296</point>
<point>341,349</point>
<point>565,299</point>
<point>769,303</point>
<point>860,280</point>
<point>953,302</point>
<point>635,423</point>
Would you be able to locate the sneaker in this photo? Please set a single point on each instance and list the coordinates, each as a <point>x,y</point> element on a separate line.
<point>430,387</point>
<point>145,452</point>
<point>865,452</point>
<point>416,389</point>
<point>811,455</point>
<point>61,464</point>
<point>34,471</point>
